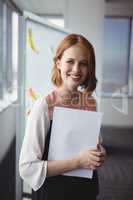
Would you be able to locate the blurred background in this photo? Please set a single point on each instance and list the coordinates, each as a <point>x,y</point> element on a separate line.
<point>108,25</point>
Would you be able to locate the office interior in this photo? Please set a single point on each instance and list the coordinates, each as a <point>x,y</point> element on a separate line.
<point>108,25</point>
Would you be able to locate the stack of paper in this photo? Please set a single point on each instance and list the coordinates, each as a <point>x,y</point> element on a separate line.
<point>72,132</point>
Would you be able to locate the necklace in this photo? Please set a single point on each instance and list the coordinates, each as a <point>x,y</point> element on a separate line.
<point>70,98</point>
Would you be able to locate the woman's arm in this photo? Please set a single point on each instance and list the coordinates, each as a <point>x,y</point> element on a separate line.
<point>61,166</point>
<point>88,159</point>
<point>32,168</point>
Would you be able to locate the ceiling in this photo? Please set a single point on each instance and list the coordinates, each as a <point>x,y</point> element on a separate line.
<point>45,6</point>
<point>40,6</point>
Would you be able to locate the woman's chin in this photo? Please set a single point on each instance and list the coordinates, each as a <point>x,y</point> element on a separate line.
<point>73,87</point>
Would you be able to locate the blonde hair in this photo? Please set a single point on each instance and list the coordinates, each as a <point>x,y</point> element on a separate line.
<point>90,83</point>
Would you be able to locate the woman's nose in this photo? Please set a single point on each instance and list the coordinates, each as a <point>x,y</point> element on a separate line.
<point>76,67</point>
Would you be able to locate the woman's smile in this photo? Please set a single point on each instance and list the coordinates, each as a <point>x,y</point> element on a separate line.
<point>75,77</point>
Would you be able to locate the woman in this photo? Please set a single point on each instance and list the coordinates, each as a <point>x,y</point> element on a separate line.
<point>74,78</point>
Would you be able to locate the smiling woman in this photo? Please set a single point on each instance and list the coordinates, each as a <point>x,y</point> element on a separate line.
<point>74,67</point>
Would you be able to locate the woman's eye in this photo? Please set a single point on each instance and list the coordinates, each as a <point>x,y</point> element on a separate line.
<point>70,61</point>
<point>84,64</point>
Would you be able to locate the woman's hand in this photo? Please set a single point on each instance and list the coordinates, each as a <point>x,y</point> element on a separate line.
<point>103,152</point>
<point>90,159</point>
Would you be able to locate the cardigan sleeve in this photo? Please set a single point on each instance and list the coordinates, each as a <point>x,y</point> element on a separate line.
<point>32,168</point>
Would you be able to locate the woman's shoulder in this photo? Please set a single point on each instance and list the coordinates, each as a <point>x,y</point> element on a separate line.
<point>45,101</point>
<point>40,106</point>
<point>51,100</point>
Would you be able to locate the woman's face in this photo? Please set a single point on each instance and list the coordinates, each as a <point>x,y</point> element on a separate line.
<point>74,66</point>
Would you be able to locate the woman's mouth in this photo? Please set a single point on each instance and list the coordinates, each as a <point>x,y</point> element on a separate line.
<point>75,77</point>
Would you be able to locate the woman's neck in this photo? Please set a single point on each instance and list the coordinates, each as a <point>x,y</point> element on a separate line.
<point>64,90</point>
<point>68,97</point>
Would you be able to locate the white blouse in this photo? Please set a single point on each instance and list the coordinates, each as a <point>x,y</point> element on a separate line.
<point>32,168</point>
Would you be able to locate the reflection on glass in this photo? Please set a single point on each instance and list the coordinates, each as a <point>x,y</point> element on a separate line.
<point>1,45</point>
<point>131,65</point>
<point>57,20</point>
<point>115,66</point>
<point>15,49</point>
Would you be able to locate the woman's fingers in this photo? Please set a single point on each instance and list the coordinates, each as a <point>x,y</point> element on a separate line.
<point>93,165</point>
<point>97,153</point>
<point>90,158</point>
<point>94,157</point>
<point>101,148</point>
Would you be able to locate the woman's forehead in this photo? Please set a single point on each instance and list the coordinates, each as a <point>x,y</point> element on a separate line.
<point>77,51</point>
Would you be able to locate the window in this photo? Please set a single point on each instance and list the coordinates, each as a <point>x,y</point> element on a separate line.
<point>1,52</point>
<point>8,55</point>
<point>131,65</point>
<point>14,51</point>
<point>117,52</point>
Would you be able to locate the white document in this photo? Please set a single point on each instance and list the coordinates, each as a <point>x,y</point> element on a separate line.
<point>72,132</point>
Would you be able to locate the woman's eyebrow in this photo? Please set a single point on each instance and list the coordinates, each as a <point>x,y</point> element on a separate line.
<point>82,60</point>
<point>71,58</point>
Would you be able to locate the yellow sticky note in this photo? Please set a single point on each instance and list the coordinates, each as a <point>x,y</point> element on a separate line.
<point>31,43</point>
<point>32,94</point>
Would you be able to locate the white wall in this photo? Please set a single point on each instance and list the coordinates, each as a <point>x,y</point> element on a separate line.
<point>42,6</point>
